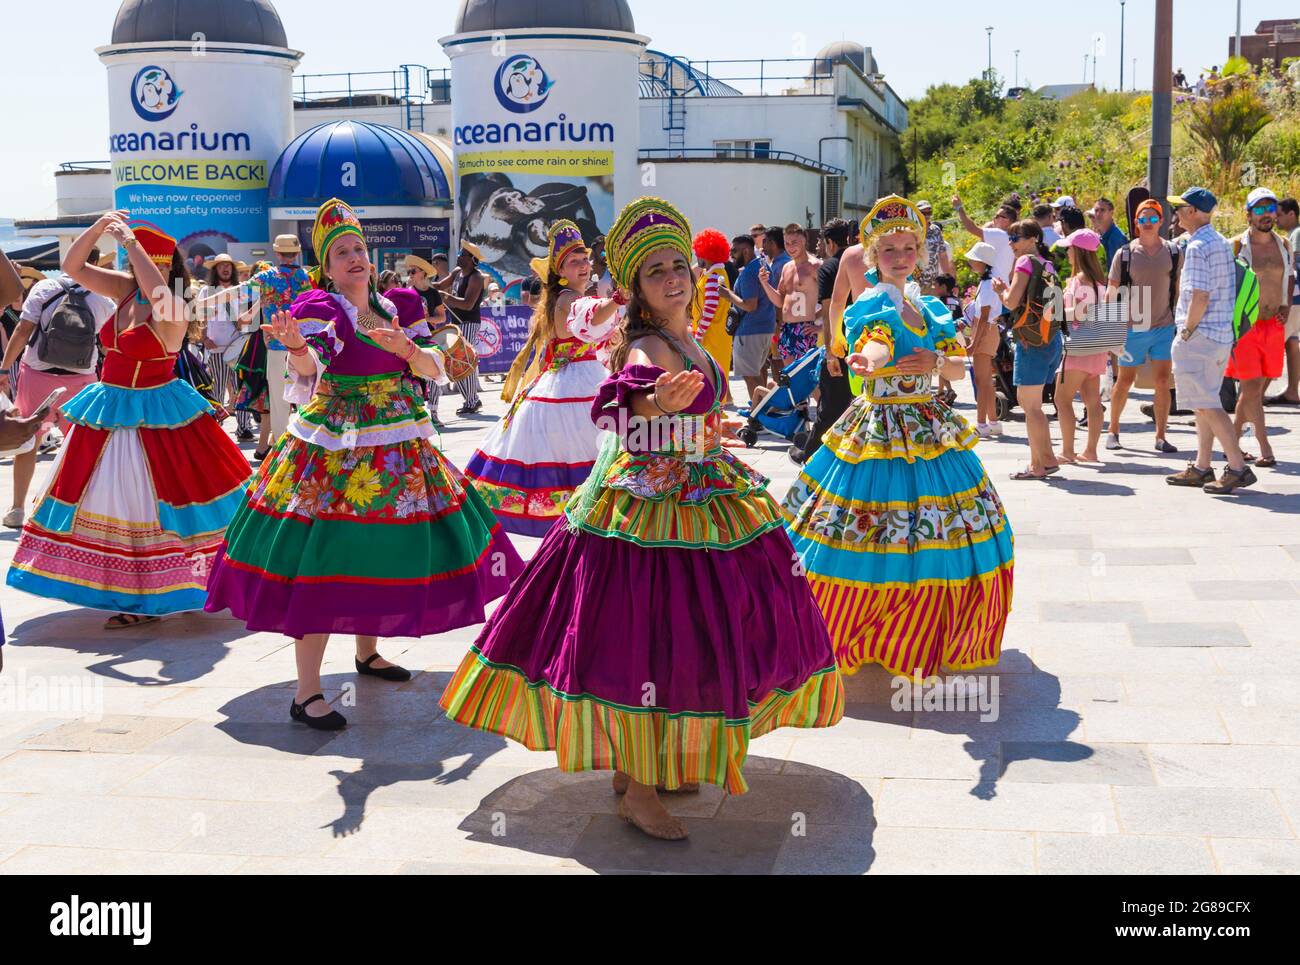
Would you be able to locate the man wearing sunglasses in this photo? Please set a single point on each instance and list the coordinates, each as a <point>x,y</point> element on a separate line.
<point>1288,220</point>
<point>1258,356</point>
<point>1146,270</point>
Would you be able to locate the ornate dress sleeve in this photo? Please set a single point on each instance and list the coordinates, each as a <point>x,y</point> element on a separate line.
<point>870,319</point>
<point>942,328</point>
<point>322,345</point>
<point>581,322</point>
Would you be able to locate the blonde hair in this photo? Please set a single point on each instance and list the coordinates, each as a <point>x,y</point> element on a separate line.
<point>922,256</point>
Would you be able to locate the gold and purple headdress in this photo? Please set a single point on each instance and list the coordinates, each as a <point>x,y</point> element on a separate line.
<point>334,219</point>
<point>645,225</point>
<point>892,214</point>
<point>562,239</point>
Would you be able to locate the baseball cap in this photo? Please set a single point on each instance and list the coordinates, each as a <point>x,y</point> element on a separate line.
<point>1084,238</point>
<point>1064,201</point>
<point>1258,195</point>
<point>924,206</point>
<point>1150,204</point>
<point>1202,199</point>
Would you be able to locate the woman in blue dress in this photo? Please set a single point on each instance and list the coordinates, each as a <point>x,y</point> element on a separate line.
<point>901,533</point>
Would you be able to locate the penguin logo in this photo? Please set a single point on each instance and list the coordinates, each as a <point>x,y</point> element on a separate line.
<point>521,84</point>
<point>154,94</point>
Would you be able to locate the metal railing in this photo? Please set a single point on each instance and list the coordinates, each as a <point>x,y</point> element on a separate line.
<point>408,84</point>
<point>735,153</point>
<point>86,166</point>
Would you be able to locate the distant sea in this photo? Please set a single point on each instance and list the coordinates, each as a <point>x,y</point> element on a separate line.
<point>9,240</point>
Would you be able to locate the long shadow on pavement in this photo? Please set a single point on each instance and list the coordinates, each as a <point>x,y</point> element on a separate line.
<point>795,818</point>
<point>1017,718</point>
<point>398,733</point>
<point>187,645</point>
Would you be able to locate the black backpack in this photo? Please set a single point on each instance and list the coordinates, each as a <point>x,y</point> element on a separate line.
<point>66,339</point>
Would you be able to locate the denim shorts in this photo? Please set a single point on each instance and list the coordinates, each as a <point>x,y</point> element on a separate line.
<point>1037,366</point>
<point>1155,344</point>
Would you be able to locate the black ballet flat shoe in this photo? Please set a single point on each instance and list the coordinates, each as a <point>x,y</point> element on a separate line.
<point>331,721</point>
<point>394,673</point>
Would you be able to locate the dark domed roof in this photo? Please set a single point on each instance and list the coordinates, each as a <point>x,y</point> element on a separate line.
<point>219,21</point>
<point>392,167</point>
<point>507,14</point>
<point>856,54</point>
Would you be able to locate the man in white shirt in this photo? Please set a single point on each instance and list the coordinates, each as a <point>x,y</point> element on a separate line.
<point>37,378</point>
<point>995,233</point>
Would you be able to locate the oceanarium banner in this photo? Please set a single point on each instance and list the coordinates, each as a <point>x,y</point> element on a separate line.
<point>540,129</point>
<point>192,141</point>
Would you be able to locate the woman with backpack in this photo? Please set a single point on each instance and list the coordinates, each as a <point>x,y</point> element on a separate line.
<point>54,346</point>
<point>136,506</point>
<point>1082,371</point>
<point>1039,343</point>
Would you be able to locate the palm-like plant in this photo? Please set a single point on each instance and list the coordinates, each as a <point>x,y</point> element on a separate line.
<point>1223,125</point>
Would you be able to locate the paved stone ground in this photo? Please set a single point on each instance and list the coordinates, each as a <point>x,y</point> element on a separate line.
<point>1148,722</point>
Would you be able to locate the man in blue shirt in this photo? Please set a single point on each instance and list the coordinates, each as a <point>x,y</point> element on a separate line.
<point>1103,222</point>
<point>753,338</point>
<point>1207,293</point>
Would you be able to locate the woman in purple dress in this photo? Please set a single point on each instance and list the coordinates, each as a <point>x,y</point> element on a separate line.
<point>668,622</point>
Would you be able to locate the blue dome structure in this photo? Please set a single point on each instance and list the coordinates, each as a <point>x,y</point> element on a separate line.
<point>360,163</point>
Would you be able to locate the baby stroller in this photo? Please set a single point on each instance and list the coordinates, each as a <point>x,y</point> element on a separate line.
<point>784,410</point>
<point>1004,365</point>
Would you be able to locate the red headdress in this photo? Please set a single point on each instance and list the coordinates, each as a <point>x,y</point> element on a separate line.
<point>159,246</point>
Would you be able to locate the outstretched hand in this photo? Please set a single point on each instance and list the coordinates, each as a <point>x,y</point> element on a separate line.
<point>392,338</point>
<point>675,392</point>
<point>861,364</point>
<point>284,329</point>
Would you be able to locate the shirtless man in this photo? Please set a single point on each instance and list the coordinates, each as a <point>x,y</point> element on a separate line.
<point>796,296</point>
<point>1257,358</point>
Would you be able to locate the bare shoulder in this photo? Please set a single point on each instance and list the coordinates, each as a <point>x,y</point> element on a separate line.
<point>653,350</point>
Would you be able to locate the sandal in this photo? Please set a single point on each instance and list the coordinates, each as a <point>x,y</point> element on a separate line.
<point>121,621</point>
<point>1265,462</point>
<point>1026,474</point>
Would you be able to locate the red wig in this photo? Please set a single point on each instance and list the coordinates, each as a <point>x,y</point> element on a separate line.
<point>712,245</point>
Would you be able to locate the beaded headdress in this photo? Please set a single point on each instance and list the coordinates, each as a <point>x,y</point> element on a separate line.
<point>645,225</point>
<point>562,239</point>
<point>892,214</point>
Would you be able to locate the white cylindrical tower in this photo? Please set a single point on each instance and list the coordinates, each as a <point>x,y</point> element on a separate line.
<point>545,121</point>
<point>200,106</point>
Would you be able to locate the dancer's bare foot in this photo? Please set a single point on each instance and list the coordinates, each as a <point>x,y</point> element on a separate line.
<point>641,807</point>
<point>621,780</point>
<point>1066,457</point>
<point>1088,455</point>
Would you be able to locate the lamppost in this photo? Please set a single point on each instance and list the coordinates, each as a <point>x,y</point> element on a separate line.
<point>989,75</point>
<point>1161,102</point>
<point>1121,45</point>
<point>1017,68</point>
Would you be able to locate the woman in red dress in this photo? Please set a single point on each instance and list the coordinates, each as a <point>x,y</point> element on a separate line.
<point>140,496</point>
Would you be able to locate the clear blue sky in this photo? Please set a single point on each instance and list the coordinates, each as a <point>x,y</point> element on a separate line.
<point>56,107</point>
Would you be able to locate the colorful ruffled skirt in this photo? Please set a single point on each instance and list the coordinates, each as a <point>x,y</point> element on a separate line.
<point>904,539</point>
<point>356,523</point>
<point>542,450</point>
<point>658,632</point>
<point>136,505</point>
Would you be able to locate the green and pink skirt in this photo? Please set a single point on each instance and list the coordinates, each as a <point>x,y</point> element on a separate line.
<point>356,523</point>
